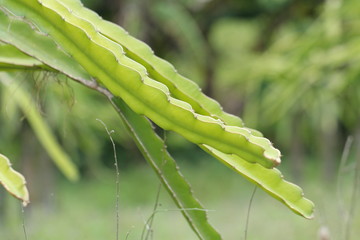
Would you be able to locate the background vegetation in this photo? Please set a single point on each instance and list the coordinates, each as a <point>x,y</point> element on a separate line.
<point>290,68</point>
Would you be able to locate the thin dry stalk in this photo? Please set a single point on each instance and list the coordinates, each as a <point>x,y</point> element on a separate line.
<point>23,222</point>
<point>117,177</point>
<point>248,213</point>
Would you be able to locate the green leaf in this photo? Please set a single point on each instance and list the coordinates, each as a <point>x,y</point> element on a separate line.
<point>154,150</point>
<point>270,180</point>
<point>40,46</point>
<point>39,126</point>
<point>13,181</point>
<point>105,61</point>
<point>158,69</point>
<point>12,58</point>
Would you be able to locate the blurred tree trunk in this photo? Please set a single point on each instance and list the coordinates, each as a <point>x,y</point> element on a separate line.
<point>297,149</point>
<point>293,9</point>
<point>37,169</point>
<point>2,206</point>
<point>210,63</point>
<point>118,17</point>
<point>357,159</point>
<point>273,23</point>
<point>329,153</point>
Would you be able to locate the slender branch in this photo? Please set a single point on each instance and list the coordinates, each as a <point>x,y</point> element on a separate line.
<point>95,85</point>
<point>149,226</point>
<point>23,222</point>
<point>149,223</point>
<point>248,212</point>
<point>117,177</point>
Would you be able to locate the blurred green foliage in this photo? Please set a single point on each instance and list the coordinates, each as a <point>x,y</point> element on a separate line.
<point>89,205</point>
<point>288,67</point>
